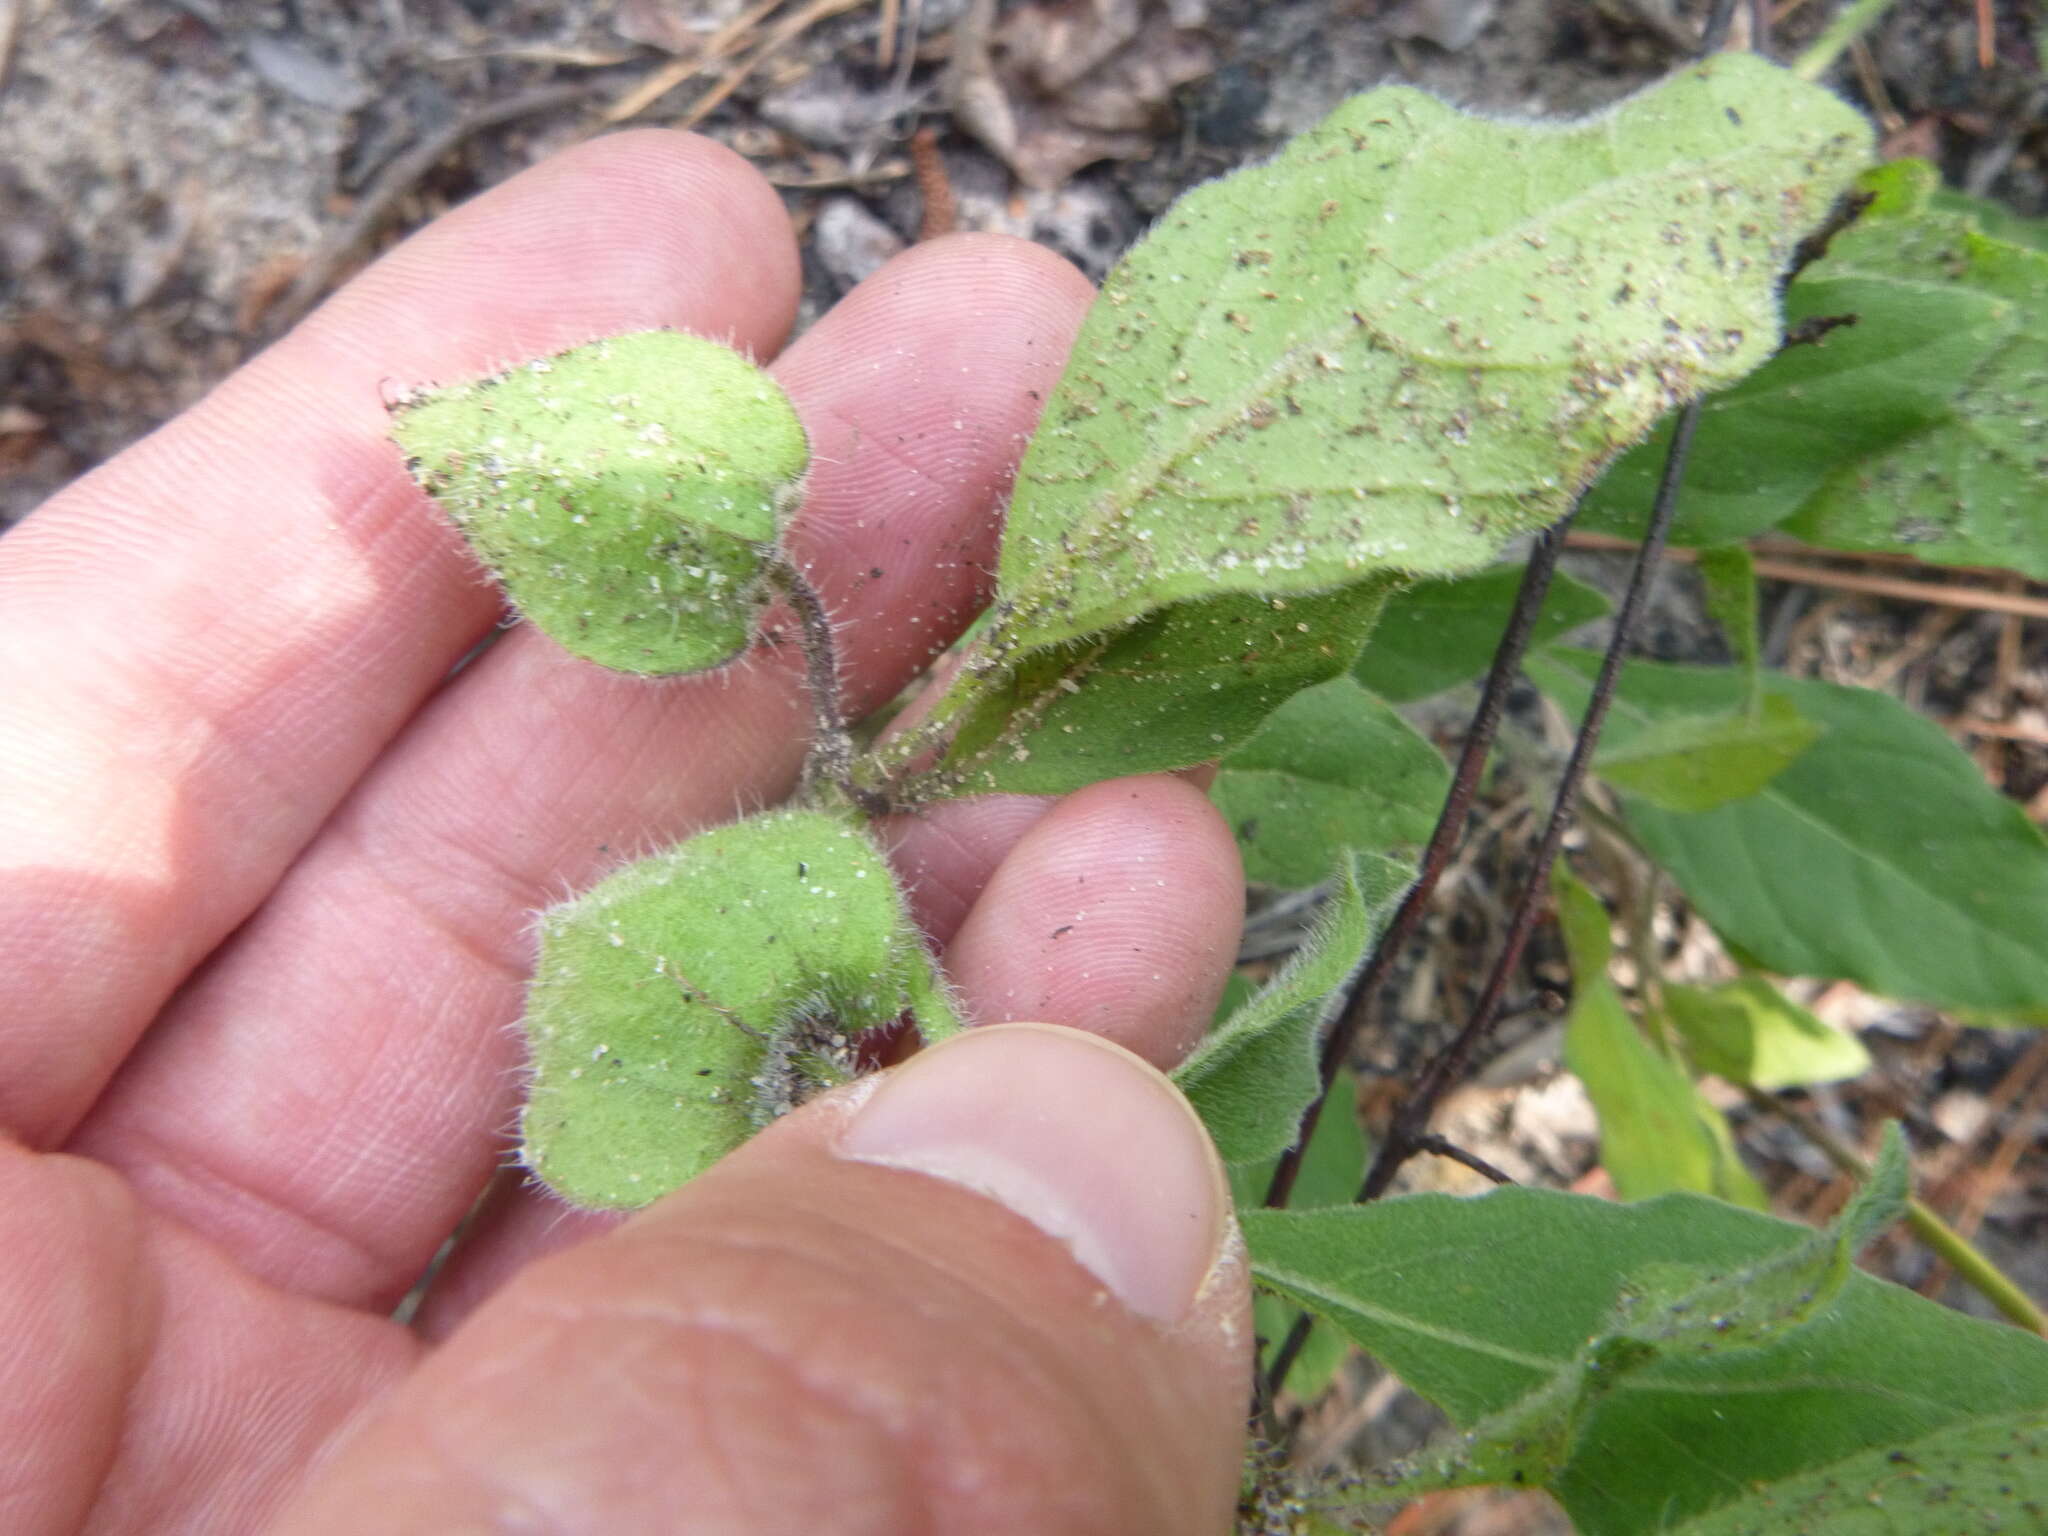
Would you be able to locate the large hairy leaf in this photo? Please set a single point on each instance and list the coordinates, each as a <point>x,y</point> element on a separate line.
<point>1665,1312</point>
<point>1880,855</point>
<point>1918,427</point>
<point>1332,768</point>
<point>1412,336</point>
<point>1480,1303</point>
<point>1983,1474</point>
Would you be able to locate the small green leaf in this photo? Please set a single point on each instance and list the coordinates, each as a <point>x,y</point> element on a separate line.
<point>1183,687</point>
<point>1411,337</point>
<point>1331,768</point>
<point>1256,1073</point>
<point>1656,1133</point>
<point>692,997</point>
<point>1480,1303</point>
<point>1751,1033</point>
<point>625,492</point>
<point>1438,634</point>
<point>1880,856</point>
<point>1696,762</point>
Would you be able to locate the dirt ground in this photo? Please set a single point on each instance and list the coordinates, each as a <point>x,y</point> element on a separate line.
<point>181,179</point>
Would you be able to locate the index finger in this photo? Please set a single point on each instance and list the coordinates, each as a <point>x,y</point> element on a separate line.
<point>208,640</point>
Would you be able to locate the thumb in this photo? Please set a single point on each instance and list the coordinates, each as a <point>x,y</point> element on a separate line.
<point>994,1291</point>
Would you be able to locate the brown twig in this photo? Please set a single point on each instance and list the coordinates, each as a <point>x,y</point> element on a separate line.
<point>658,82</point>
<point>2026,1083</point>
<point>1951,594</point>
<point>1440,1146</point>
<point>885,42</point>
<point>1410,1125</point>
<point>784,32</point>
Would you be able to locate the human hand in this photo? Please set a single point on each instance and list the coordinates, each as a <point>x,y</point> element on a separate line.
<point>266,919</point>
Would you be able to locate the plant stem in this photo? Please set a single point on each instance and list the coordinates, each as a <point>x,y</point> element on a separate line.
<point>1849,24</point>
<point>886,764</point>
<point>1967,1260</point>
<point>830,760</point>
<point>1436,857</point>
<point>1405,1136</point>
<point>1414,1114</point>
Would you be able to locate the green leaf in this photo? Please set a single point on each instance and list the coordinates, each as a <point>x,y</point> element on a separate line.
<point>1657,1134</point>
<point>1332,1168</point>
<point>1478,1303</point>
<point>627,493</point>
<point>1440,633</point>
<point>1917,427</point>
<point>1881,856</point>
<point>1728,579</point>
<point>1966,490</point>
<point>1253,1076</point>
<point>1332,768</point>
<point>1994,219</point>
<point>1183,687</point>
<point>1411,337</point>
<point>1669,1311</point>
<point>1983,1474</point>
<point>1749,1032</point>
<point>1696,762</point>
<point>694,996</point>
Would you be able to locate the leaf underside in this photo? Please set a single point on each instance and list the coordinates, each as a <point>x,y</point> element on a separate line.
<point>1411,337</point>
<point>1184,686</point>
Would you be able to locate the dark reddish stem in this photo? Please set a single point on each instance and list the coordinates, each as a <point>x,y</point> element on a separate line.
<point>1409,1132</point>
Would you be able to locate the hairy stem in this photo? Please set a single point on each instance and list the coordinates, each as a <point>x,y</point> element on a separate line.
<point>1436,857</point>
<point>830,760</point>
<point>1406,1135</point>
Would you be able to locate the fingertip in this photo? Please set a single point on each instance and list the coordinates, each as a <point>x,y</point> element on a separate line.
<point>1118,912</point>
